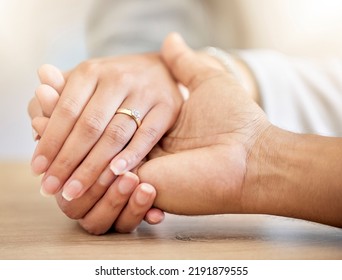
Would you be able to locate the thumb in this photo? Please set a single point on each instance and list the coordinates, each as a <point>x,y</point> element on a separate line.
<point>180,188</point>
<point>165,174</point>
<point>184,64</point>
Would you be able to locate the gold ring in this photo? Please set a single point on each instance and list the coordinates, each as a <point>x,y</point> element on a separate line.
<point>133,113</point>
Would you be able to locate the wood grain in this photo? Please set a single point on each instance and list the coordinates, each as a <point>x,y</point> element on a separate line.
<point>32,227</point>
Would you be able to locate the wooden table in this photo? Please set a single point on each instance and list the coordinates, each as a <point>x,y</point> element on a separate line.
<point>32,227</point>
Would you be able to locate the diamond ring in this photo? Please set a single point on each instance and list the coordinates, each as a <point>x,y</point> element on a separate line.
<point>133,113</point>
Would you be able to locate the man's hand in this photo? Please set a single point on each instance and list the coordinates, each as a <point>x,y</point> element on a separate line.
<point>200,166</point>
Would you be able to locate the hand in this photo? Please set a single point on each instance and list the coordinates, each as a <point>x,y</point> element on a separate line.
<point>120,206</point>
<point>200,166</point>
<point>92,94</point>
<point>122,203</point>
<point>223,156</point>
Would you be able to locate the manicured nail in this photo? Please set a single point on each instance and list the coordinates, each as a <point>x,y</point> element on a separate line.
<point>39,165</point>
<point>126,185</point>
<point>35,135</point>
<point>72,190</point>
<point>106,178</point>
<point>50,186</point>
<point>144,194</point>
<point>119,167</point>
<point>43,193</point>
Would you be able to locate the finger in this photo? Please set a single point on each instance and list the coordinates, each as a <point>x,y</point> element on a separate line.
<point>48,98</point>
<point>184,63</point>
<point>102,216</point>
<point>39,125</point>
<point>63,119</point>
<point>139,203</point>
<point>52,76</point>
<point>34,108</point>
<point>153,127</point>
<point>78,208</point>
<point>114,138</point>
<point>102,138</point>
<point>154,216</point>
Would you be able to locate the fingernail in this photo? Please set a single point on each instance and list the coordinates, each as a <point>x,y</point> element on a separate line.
<point>43,193</point>
<point>39,165</point>
<point>126,185</point>
<point>107,178</point>
<point>35,134</point>
<point>119,167</point>
<point>50,186</point>
<point>144,194</point>
<point>72,190</point>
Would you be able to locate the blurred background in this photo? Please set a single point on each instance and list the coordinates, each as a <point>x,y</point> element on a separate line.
<point>34,32</point>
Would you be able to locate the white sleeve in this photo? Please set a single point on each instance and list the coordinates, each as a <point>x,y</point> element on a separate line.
<point>135,26</point>
<point>300,95</point>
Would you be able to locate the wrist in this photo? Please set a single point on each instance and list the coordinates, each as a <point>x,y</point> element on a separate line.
<point>295,175</point>
<point>266,165</point>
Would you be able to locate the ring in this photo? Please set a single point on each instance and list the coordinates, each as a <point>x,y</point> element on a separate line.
<point>133,113</point>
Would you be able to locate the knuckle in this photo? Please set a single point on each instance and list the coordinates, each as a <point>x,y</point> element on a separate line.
<point>149,137</point>
<point>134,155</point>
<point>94,194</point>
<point>123,77</point>
<point>136,213</point>
<point>90,170</point>
<point>89,68</point>
<point>69,107</point>
<point>149,134</point>
<point>92,124</point>
<point>115,202</point>
<point>64,163</point>
<point>117,134</point>
<point>146,91</point>
<point>54,143</point>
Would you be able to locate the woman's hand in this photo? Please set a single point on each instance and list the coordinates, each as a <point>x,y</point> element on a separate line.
<point>84,133</point>
<point>122,203</point>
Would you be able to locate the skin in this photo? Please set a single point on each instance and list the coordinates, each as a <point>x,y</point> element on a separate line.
<point>87,208</point>
<point>106,85</point>
<point>226,156</point>
<point>242,164</point>
<point>127,201</point>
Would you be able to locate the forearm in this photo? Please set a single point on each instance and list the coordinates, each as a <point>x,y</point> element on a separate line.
<point>298,176</point>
